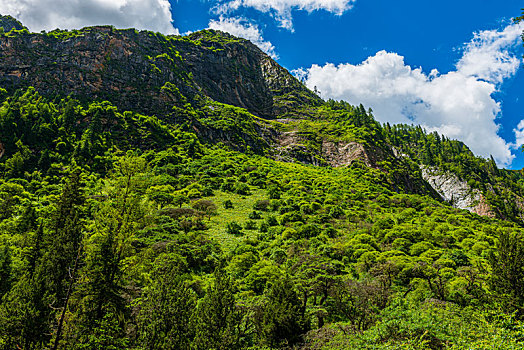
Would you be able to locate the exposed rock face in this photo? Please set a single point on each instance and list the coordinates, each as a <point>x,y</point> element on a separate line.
<point>100,63</point>
<point>344,153</point>
<point>483,208</point>
<point>235,71</point>
<point>458,193</point>
<point>146,72</point>
<point>292,145</point>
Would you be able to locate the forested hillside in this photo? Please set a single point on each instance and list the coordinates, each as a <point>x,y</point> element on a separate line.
<point>167,192</point>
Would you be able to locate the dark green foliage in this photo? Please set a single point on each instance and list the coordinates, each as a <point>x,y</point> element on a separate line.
<point>254,215</point>
<point>107,333</point>
<point>166,310</point>
<point>261,205</point>
<point>5,271</point>
<point>282,320</point>
<point>250,225</point>
<point>507,271</point>
<point>64,237</point>
<point>24,315</point>
<point>233,228</point>
<point>273,193</point>
<point>217,317</point>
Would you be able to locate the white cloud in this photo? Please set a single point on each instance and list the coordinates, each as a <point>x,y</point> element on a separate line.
<point>487,57</point>
<point>281,10</point>
<point>458,104</point>
<point>241,27</point>
<point>40,15</point>
<point>519,135</point>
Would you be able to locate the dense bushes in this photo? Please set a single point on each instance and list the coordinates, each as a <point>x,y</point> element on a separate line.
<point>175,244</point>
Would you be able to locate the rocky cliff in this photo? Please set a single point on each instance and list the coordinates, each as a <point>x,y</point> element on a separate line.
<point>145,71</point>
<point>8,23</point>
<point>456,192</point>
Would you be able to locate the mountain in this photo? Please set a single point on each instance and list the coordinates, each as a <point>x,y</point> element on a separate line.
<point>154,74</point>
<point>9,23</point>
<point>188,192</point>
<point>135,70</point>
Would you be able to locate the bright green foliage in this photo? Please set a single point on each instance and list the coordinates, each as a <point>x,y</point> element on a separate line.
<point>343,257</point>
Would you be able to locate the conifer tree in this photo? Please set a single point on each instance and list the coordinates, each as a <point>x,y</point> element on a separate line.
<point>283,319</point>
<point>217,318</point>
<point>164,318</point>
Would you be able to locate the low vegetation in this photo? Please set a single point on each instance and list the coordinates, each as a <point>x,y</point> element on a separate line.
<point>121,231</point>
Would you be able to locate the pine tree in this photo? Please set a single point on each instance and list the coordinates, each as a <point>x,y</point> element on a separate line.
<point>164,318</point>
<point>507,276</point>
<point>217,319</point>
<point>64,236</point>
<point>283,319</point>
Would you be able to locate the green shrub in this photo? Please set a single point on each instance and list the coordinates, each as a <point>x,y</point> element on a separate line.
<point>255,215</point>
<point>233,228</point>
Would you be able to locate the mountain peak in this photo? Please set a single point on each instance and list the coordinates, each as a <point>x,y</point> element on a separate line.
<point>9,23</point>
<point>132,68</point>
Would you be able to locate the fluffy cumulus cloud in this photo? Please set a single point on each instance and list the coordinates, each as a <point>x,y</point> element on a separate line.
<point>243,28</point>
<point>519,135</point>
<point>458,104</point>
<point>281,10</point>
<point>487,56</point>
<point>70,14</point>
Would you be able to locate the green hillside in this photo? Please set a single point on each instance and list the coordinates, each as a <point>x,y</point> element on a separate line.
<point>221,222</point>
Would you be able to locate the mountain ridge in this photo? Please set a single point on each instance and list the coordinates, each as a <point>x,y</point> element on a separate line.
<point>161,192</point>
<point>88,62</point>
<point>151,73</point>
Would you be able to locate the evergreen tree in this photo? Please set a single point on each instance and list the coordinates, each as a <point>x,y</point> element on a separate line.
<point>507,271</point>
<point>63,238</point>
<point>164,318</point>
<point>25,315</point>
<point>217,318</point>
<point>283,319</point>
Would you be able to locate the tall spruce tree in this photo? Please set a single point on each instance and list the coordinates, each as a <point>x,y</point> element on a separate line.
<point>217,319</point>
<point>283,318</point>
<point>166,311</point>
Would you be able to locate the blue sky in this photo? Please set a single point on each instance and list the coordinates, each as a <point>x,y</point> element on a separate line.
<point>452,66</point>
<point>427,35</point>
